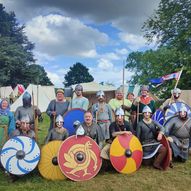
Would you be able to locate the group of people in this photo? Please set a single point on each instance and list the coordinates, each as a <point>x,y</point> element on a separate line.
<point>104,121</point>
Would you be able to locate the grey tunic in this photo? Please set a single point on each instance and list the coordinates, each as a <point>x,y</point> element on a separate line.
<point>23,111</point>
<point>18,132</point>
<point>93,131</point>
<point>147,134</point>
<point>180,131</point>
<point>104,117</point>
<point>54,134</point>
<point>60,107</point>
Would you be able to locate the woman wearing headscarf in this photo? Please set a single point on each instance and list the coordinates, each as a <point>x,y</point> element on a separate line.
<point>7,121</point>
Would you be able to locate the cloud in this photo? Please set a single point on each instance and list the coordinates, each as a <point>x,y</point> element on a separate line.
<point>105,64</point>
<point>60,35</point>
<point>126,15</point>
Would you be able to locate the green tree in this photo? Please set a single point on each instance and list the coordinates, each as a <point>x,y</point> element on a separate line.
<point>78,73</point>
<point>171,26</point>
<point>15,51</point>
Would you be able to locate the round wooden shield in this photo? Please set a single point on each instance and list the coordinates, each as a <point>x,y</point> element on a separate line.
<point>20,155</point>
<point>175,108</point>
<point>71,116</point>
<point>168,157</point>
<point>158,116</point>
<point>79,158</point>
<point>126,153</point>
<point>48,165</point>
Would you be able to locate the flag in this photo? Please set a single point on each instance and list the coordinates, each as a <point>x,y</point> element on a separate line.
<point>21,88</point>
<point>174,75</point>
<point>160,80</point>
<point>156,80</point>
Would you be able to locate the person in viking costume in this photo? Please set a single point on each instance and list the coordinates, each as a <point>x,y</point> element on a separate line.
<point>150,133</point>
<point>91,129</point>
<point>7,121</point>
<point>58,106</point>
<point>139,103</point>
<point>176,92</point>
<point>118,127</point>
<point>24,128</point>
<point>102,114</point>
<point>79,101</point>
<point>59,132</point>
<point>120,101</point>
<point>27,109</point>
<point>178,130</point>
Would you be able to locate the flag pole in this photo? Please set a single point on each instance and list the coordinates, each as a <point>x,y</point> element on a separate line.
<point>176,84</point>
<point>179,77</point>
<point>123,82</point>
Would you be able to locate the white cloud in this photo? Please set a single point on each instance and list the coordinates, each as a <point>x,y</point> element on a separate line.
<point>134,42</point>
<point>105,64</point>
<point>123,51</point>
<point>55,79</point>
<point>60,35</point>
<point>112,74</point>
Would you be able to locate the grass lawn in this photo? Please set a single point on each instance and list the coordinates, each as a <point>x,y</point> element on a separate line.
<point>146,178</point>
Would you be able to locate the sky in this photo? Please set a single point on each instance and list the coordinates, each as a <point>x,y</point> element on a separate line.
<point>97,33</point>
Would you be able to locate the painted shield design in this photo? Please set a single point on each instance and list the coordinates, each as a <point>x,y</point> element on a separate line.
<point>174,109</point>
<point>79,158</point>
<point>48,165</point>
<point>71,116</point>
<point>158,116</point>
<point>126,153</point>
<point>168,157</point>
<point>20,155</point>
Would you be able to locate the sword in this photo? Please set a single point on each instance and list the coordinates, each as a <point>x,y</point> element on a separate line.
<point>150,144</point>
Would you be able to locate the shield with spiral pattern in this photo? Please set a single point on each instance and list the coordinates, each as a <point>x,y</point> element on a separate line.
<point>20,155</point>
<point>79,158</point>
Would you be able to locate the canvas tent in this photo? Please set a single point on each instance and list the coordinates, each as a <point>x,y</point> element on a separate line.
<point>90,89</point>
<point>5,91</point>
<point>42,96</point>
<point>186,96</point>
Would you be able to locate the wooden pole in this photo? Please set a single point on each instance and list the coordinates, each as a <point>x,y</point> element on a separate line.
<point>123,83</point>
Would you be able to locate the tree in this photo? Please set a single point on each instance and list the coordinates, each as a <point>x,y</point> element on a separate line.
<point>171,26</point>
<point>15,51</point>
<point>78,73</point>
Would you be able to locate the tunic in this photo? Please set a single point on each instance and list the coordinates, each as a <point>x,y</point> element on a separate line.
<point>93,131</point>
<point>180,131</point>
<point>60,107</point>
<point>81,103</point>
<point>115,104</point>
<point>147,134</point>
<point>143,102</point>
<point>57,134</point>
<point>23,111</point>
<point>103,114</point>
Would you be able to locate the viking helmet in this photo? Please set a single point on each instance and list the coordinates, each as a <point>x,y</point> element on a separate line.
<point>147,109</point>
<point>25,118</point>
<point>100,94</point>
<point>144,88</point>
<point>26,99</point>
<point>76,124</point>
<point>59,119</point>
<point>79,87</point>
<point>183,108</point>
<point>119,112</point>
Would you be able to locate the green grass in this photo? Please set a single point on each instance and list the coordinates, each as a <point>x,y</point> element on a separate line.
<point>146,178</point>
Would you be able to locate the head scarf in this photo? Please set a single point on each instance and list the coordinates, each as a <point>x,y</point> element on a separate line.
<point>4,111</point>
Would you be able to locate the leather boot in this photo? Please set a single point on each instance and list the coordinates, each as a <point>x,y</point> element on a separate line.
<point>159,159</point>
